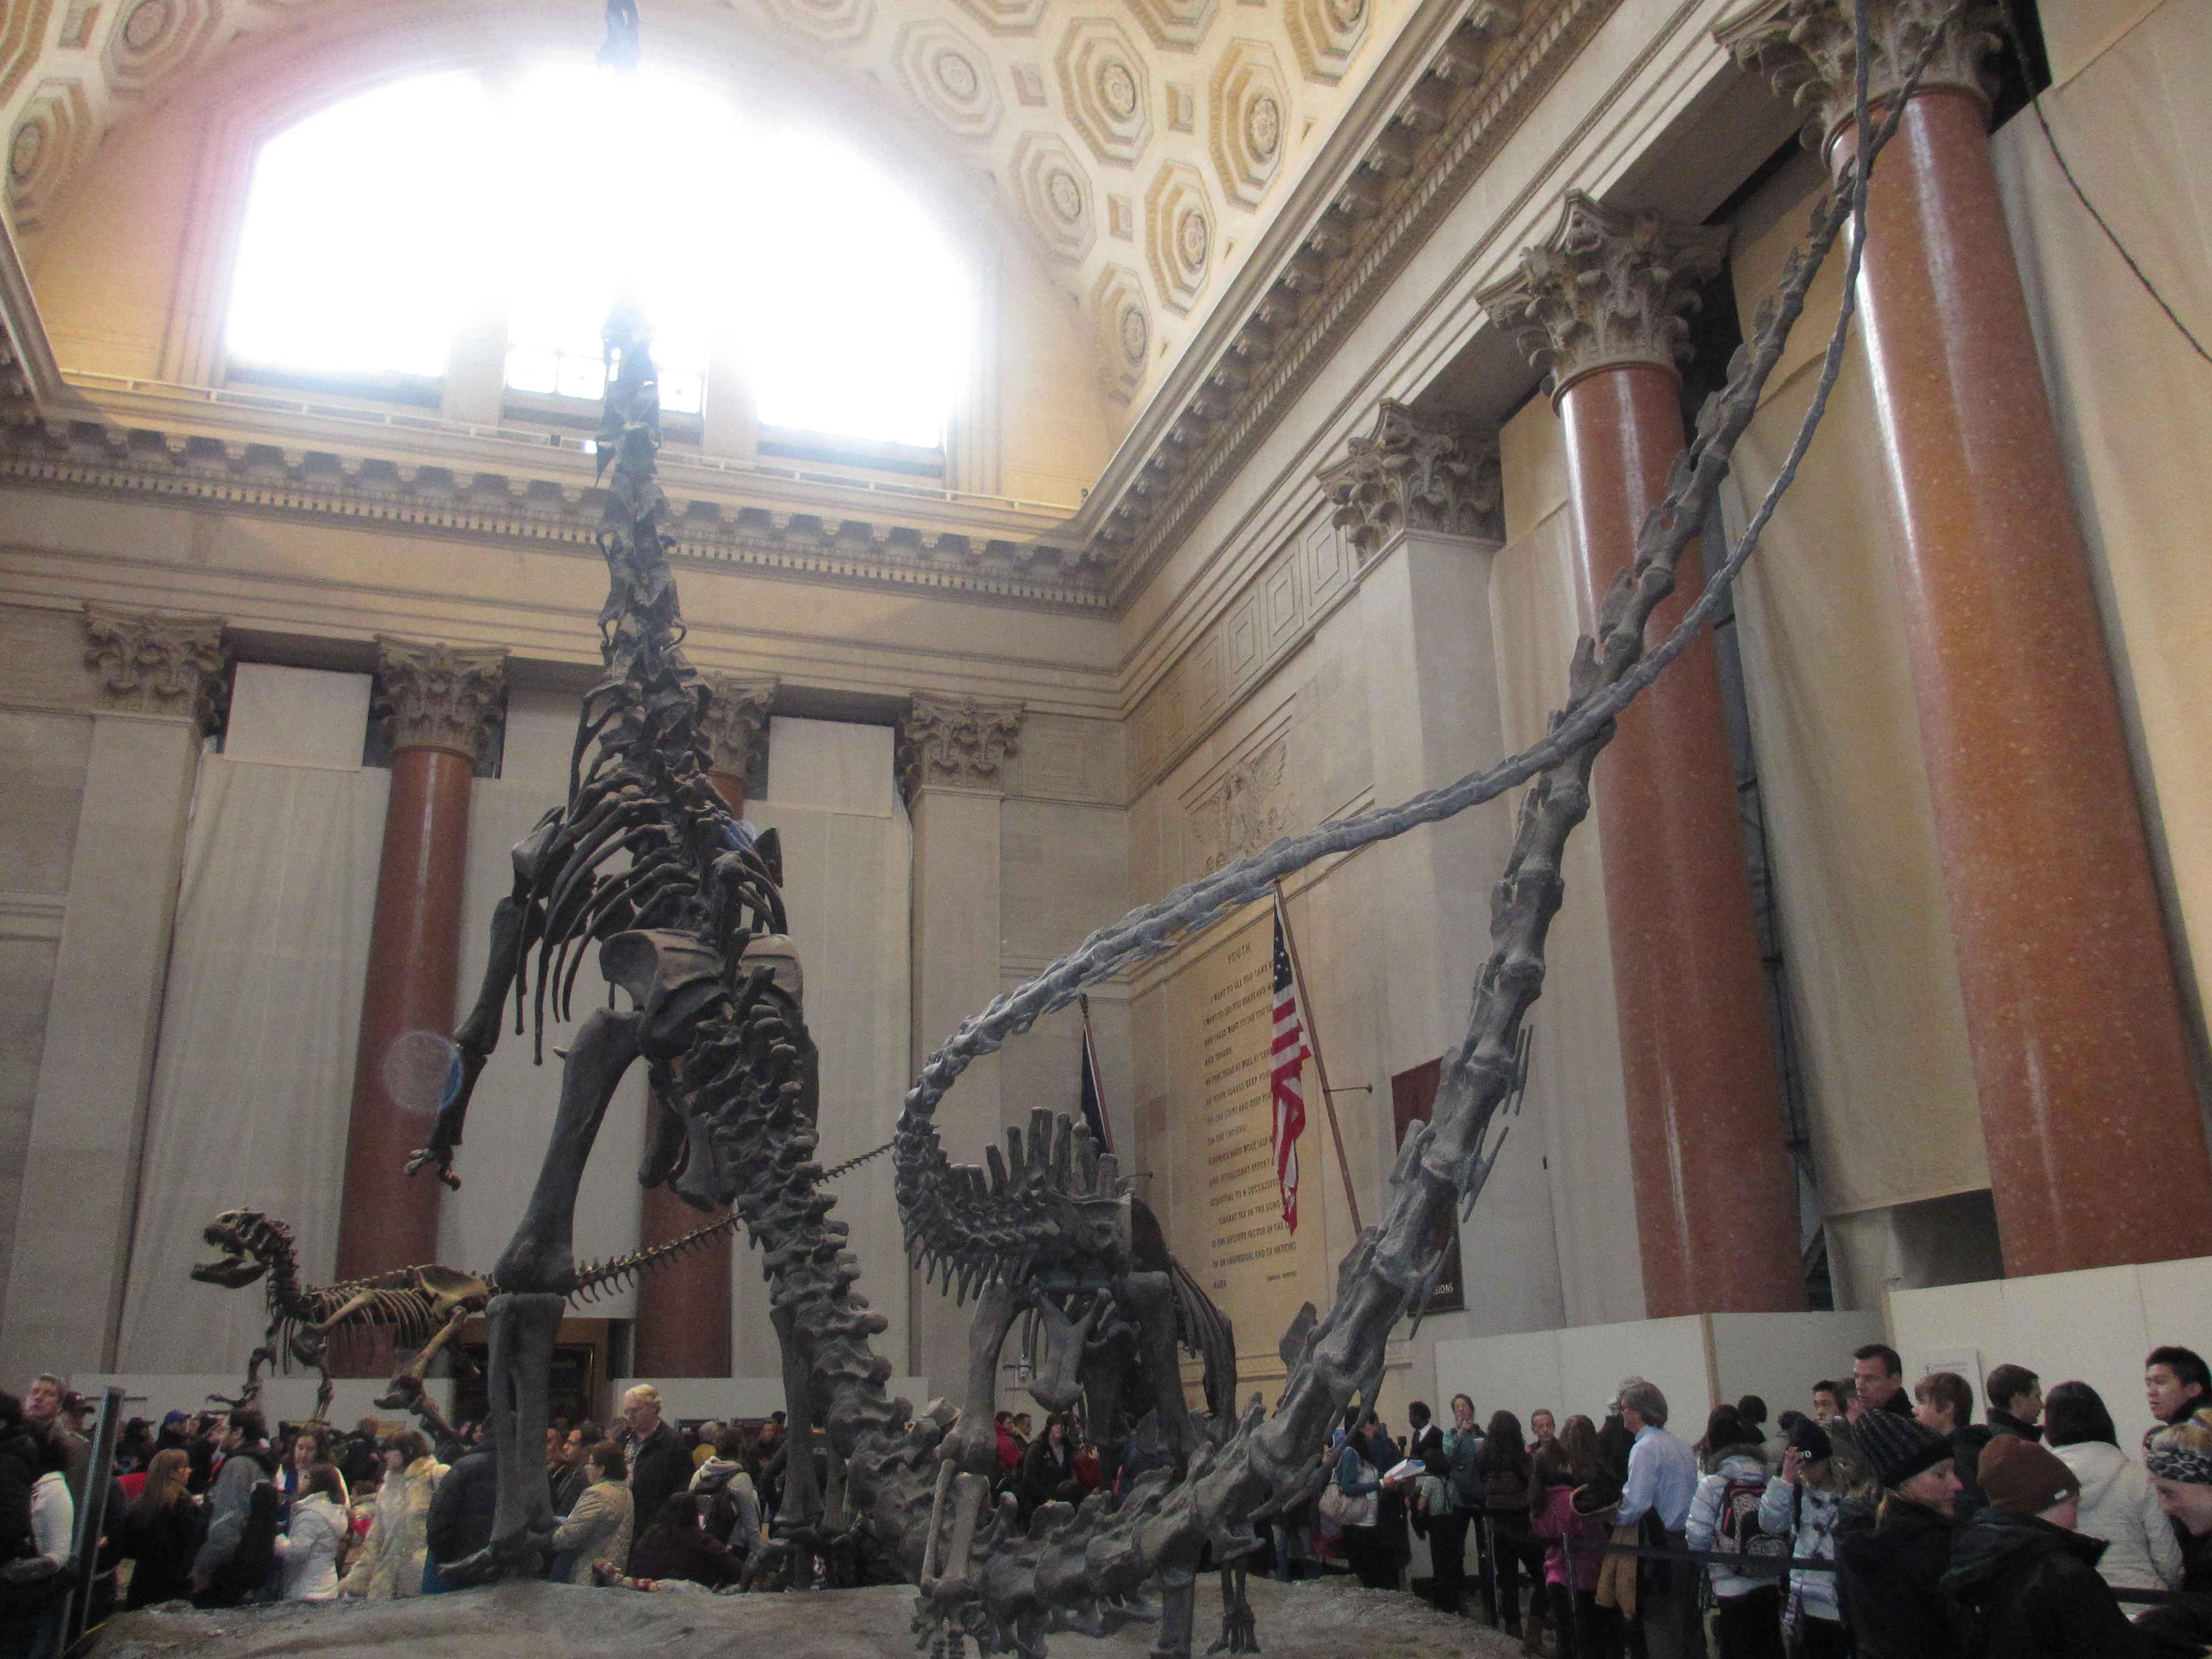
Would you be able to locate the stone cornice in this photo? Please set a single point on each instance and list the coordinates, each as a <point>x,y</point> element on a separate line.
<point>28,374</point>
<point>1425,129</point>
<point>1415,471</point>
<point>152,662</point>
<point>957,742</point>
<point>1805,47</point>
<point>1606,288</point>
<point>435,696</point>
<point>276,457</point>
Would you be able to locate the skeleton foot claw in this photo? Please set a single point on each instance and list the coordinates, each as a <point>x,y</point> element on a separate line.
<point>436,1160</point>
<point>508,1558</point>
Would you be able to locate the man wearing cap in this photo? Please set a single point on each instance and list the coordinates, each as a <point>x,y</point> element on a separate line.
<point>1891,1559</point>
<point>2025,1581</point>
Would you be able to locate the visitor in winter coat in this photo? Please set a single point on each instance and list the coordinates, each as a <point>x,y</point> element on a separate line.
<point>1566,1507</point>
<point>2025,1581</point>
<point>461,1511</point>
<point>723,1489</point>
<point>676,1546</point>
<point>156,1533</point>
<point>1802,1504</point>
<point>2118,1503</point>
<point>310,1547</point>
<point>390,1560</point>
<point>599,1527</point>
<point>1724,1517</point>
<point>1891,1554</point>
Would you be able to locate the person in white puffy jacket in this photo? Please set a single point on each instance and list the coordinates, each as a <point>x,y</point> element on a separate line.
<point>309,1548</point>
<point>2119,1504</point>
<point>1802,1504</point>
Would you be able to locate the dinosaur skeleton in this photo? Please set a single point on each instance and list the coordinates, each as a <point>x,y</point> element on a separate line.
<point>421,1306</point>
<point>716,1014</point>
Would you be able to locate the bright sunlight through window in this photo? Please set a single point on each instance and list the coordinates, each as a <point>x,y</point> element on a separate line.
<point>380,228</point>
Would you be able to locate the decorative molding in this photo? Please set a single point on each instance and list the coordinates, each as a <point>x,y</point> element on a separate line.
<point>33,915</point>
<point>735,722</point>
<point>1805,47</point>
<point>55,122</point>
<point>957,743</point>
<point>1327,34</point>
<point>150,662</point>
<point>914,548</point>
<point>1174,25</point>
<point>1605,288</point>
<point>950,76</point>
<point>1348,232</point>
<point>1121,331</point>
<point>1415,471</point>
<point>435,696</point>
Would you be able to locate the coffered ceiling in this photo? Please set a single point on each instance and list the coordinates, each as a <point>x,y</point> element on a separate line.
<point>1136,148</point>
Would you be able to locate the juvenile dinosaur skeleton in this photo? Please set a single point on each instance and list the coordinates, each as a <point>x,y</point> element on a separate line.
<point>691,931</point>
<point>422,1307</point>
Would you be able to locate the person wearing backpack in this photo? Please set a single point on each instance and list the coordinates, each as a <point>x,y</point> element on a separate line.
<point>241,1547</point>
<point>723,1487</point>
<point>1801,1505</point>
<point>1724,1518</point>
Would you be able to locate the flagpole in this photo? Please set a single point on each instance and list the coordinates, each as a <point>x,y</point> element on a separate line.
<point>1313,1042</point>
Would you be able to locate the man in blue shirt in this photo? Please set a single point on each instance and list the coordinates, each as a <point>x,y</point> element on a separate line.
<point>1662,1478</point>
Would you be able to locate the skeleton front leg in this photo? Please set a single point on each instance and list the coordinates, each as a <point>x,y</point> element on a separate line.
<point>478,1034</point>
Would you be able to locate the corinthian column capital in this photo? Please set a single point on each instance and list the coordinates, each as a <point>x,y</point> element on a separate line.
<point>1805,47</point>
<point>1415,471</point>
<point>957,742</point>
<point>1606,288</point>
<point>735,723</point>
<point>150,663</point>
<point>440,696</point>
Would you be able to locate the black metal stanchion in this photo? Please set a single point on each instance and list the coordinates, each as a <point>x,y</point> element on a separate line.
<point>1573,1628</point>
<point>92,1515</point>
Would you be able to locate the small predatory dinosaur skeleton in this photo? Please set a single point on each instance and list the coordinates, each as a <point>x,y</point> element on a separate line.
<point>421,1306</point>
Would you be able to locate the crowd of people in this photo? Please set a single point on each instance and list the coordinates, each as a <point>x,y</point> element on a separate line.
<point>213,1509</point>
<point>1884,1522</point>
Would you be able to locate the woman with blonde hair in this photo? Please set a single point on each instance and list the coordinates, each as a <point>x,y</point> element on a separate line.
<point>390,1564</point>
<point>599,1527</point>
<point>156,1532</point>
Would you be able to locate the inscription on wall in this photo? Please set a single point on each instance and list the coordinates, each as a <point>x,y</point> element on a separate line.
<point>1226,1221</point>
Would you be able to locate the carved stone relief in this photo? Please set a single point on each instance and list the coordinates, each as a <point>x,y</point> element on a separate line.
<point>1805,47</point>
<point>1007,17</point>
<point>53,122</point>
<point>151,39</point>
<point>435,696</point>
<point>1106,89</point>
<point>150,663</point>
<point>950,76</point>
<point>1606,288</point>
<point>1327,34</point>
<point>1122,331</point>
<point>1244,810</point>
<point>1056,189</point>
<point>1175,25</point>
<point>834,22</point>
<point>1248,115</point>
<point>1415,471</point>
<point>1178,234</point>
<point>958,742</point>
<point>735,723</point>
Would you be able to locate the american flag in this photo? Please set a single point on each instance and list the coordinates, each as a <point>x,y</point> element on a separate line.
<point>1291,1054</point>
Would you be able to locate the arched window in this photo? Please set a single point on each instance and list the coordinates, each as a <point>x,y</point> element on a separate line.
<point>383,229</point>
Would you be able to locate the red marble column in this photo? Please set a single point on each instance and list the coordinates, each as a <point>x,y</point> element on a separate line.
<point>1716,1194</point>
<point>682,1319</point>
<point>2096,1142</point>
<point>440,703</point>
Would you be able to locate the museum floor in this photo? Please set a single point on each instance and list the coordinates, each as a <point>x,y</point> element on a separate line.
<point>1324,1620</point>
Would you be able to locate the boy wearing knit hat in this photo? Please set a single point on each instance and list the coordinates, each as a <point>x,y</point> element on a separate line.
<point>2025,1582</point>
